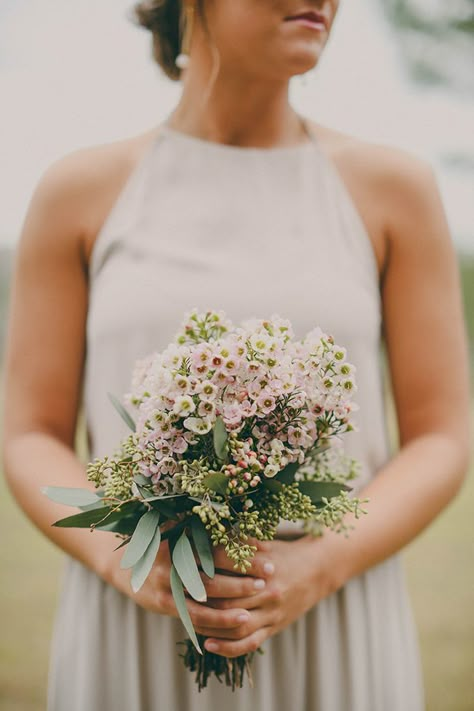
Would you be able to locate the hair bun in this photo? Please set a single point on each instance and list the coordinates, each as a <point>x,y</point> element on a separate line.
<point>149,14</point>
<point>162,18</point>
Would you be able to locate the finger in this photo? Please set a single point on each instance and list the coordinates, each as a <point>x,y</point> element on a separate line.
<point>262,566</point>
<point>247,603</point>
<point>264,546</point>
<point>234,648</point>
<point>259,618</point>
<point>202,615</point>
<point>232,586</point>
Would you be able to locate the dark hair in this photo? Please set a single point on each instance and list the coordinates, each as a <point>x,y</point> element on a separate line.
<point>162,18</point>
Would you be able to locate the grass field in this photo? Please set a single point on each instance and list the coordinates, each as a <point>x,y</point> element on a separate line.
<point>439,565</point>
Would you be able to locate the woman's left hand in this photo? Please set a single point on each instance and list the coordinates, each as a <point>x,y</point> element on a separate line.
<point>299,580</point>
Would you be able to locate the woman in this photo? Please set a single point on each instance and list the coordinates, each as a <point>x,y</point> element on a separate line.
<point>236,202</point>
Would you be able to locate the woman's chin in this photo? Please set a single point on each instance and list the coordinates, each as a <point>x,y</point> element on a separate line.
<point>303,60</point>
<point>296,68</point>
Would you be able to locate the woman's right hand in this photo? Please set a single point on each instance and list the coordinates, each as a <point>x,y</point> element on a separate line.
<point>155,594</point>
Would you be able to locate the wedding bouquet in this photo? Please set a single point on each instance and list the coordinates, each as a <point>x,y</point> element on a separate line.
<point>233,430</point>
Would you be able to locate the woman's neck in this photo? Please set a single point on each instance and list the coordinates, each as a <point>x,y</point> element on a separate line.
<point>236,111</point>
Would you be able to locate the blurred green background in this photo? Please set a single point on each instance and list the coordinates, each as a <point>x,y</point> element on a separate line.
<point>439,565</point>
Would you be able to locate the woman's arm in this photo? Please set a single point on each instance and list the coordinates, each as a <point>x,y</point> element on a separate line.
<point>45,352</point>
<point>428,358</point>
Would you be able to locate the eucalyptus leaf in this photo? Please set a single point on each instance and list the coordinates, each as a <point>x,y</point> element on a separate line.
<point>141,480</point>
<point>216,505</point>
<point>203,546</point>
<point>85,519</point>
<point>272,484</point>
<point>100,504</point>
<point>164,507</point>
<point>141,539</point>
<point>287,474</point>
<point>180,602</point>
<point>186,566</point>
<point>142,568</point>
<point>172,533</point>
<point>121,545</point>
<point>70,496</point>
<point>165,497</point>
<point>220,437</point>
<point>216,482</point>
<point>125,526</point>
<point>316,490</point>
<point>93,517</point>
<point>122,412</point>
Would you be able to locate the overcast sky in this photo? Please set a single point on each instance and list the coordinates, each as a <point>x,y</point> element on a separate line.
<point>77,74</point>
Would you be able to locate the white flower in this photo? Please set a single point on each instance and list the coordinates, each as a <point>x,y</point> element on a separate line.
<point>206,408</point>
<point>183,405</point>
<point>232,414</point>
<point>254,389</point>
<point>266,402</point>
<point>261,342</point>
<point>199,425</point>
<point>295,436</point>
<point>179,445</point>
<point>207,390</point>
<point>181,382</point>
<point>271,470</point>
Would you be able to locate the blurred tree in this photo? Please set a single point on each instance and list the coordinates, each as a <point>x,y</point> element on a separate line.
<point>437,40</point>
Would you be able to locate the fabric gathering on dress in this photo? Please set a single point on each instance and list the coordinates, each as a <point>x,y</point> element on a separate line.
<point>255,232</point>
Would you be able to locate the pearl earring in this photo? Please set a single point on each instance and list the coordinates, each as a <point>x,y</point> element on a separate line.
<point>182,60</point>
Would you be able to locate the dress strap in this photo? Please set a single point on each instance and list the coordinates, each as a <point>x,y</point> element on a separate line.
<point>309,130</point>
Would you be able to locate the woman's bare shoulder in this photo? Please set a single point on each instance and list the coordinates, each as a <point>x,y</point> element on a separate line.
<point>379,158</point>
<point>401,186</point>
<point>80,187</point>
<point>392,169</point>
<point>91,163</point>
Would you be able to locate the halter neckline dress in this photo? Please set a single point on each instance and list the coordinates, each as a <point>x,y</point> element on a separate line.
<point>255,232</point>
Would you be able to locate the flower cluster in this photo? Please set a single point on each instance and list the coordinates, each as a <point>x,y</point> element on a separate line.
<point>278,398</point>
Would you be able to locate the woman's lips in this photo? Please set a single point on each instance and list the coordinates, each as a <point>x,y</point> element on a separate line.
<point>309,19</point>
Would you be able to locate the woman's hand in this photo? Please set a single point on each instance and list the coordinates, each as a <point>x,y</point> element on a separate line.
<point>298,581</point>
<point>155,594</point>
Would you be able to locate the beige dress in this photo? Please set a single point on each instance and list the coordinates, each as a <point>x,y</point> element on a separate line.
<point>253,231</point>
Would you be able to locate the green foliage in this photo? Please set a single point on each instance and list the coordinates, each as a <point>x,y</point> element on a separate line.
<point>141,539</point>
<point>143,566</point>
<point>96,517</point>
<point>318,490</point>
<point>201,542</point>
<point>116,474</point>
<point>186,567</point>
<point>466,265</point>
<point>70,496</point>
<point>180,602</point>
<point>220,439</point>
<point>217,482</point>
<point>122,412</point>
<point>436,40</point>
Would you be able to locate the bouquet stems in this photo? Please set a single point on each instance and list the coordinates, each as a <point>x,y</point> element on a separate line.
<point>233,670</point>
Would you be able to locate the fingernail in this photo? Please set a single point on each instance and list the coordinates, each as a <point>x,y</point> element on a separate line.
<point>268,568</point>
<point>243,617</point>
<point>259,584</point>
<point>211,646</point>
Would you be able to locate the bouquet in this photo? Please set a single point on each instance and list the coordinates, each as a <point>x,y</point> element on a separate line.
<point>233,429</point>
